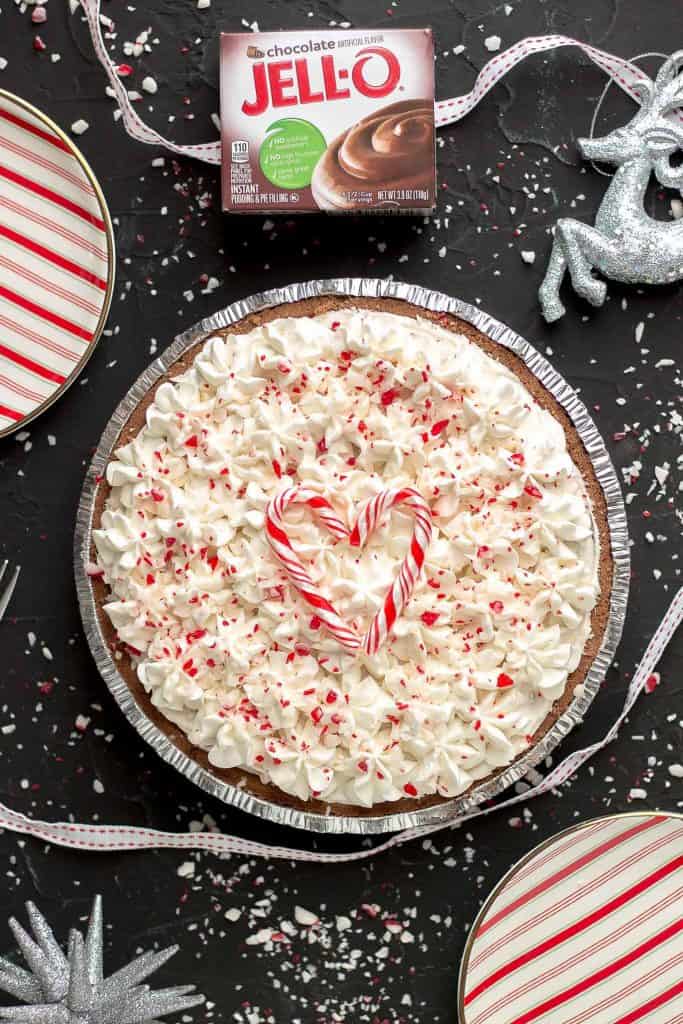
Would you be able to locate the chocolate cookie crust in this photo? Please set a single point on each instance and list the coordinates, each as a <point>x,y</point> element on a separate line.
<point>240,777</point>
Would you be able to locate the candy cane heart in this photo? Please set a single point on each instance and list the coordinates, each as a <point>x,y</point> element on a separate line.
<point>371,516</point>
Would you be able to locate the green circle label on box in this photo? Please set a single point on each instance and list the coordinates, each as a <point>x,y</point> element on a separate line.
<point>290,151</point>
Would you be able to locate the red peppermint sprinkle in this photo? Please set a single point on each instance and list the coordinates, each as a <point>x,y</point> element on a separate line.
<point>316,622</point>
<point>192,442</point>
<point>316,715</point>
<point>124,70</point>
<point>517,458</point>
<point>150,581</point>
<point>496,606</point>
<point>504,680</point>
<point>331,697</point>
<point>196,634</point>
<point>532,491</point>
<point>438,428</point>
<point>429,618</point>
<point>389,396</point>
<point>652,682</point>
<point>410,789</point>
<point>363,766</point>
<point>39,44</point>
<point>156,495</point>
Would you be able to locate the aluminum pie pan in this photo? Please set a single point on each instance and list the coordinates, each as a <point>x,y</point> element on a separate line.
<point>331,823</point>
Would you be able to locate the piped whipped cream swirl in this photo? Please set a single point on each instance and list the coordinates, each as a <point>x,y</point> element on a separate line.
<point>350,402</point>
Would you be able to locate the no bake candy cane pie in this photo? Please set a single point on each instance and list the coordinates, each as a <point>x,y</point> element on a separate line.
<point>353,555</point>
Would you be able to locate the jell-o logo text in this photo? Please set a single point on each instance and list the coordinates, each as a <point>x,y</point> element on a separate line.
<point>287,83</point>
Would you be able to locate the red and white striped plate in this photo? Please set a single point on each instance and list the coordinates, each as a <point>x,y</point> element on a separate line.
<point>56,262</point>
<point>586,929</point>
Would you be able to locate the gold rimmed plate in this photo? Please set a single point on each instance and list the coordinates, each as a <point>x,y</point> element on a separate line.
<point>57,260</point>
<point>585,928</point>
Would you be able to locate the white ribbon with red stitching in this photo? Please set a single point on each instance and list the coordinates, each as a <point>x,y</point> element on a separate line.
<point>623,72</point>
<point>108,838</point>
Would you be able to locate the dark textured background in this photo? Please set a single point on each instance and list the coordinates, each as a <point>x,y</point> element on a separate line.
<point>506,173</point>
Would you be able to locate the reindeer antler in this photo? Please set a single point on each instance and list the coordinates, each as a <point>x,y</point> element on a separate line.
<point>644,88</point>
<point>666,135</point>
<point>668,89</point>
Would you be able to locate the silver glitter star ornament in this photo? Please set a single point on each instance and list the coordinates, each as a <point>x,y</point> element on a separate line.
<point>626,244</point>
<point>71,988</point>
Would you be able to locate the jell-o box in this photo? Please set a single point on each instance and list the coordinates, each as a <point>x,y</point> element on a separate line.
<point>341,121</point>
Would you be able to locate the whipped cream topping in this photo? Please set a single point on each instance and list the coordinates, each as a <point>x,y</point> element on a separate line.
<point>350,402</point>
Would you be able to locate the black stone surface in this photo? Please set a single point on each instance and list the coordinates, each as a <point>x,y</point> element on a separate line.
<point>506,174</point>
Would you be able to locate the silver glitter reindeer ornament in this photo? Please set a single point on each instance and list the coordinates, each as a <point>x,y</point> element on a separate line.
<point>626,244</point>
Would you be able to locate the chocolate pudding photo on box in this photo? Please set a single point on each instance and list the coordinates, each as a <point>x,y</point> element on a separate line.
<point>341,121</point>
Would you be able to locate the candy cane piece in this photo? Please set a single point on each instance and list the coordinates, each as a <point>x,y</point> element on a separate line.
<point>402,587</point>
<point>286,555</point>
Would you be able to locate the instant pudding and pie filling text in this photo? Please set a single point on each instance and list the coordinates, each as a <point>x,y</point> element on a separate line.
<point>340,121</point>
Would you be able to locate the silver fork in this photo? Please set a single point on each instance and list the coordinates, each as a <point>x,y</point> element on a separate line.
<point>6,595</point>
